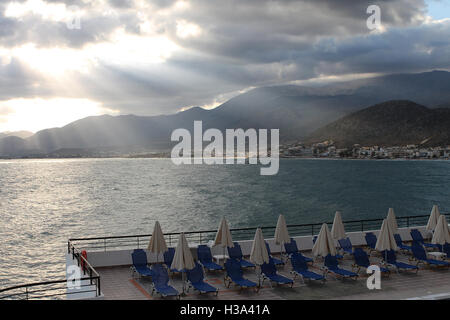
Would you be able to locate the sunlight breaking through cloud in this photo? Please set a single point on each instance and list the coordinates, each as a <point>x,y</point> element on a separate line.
<point>37,114</point>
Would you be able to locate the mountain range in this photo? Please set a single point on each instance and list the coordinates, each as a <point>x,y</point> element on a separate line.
<point>21,134</point>
<point>300,112</point>
<point>399,122</point>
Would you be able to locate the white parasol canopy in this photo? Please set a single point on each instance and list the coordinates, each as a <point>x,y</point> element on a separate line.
<point>281,231</point>
<point>441,233</point>
<point>324,244</point>
<point>392,221</point>
<point>182,260</point>
<point>337,230</point>
<point>223,235</point>
<point>433,220</point>
<point>259,254</point>
<point>386,240</point>
<point>157,242</point>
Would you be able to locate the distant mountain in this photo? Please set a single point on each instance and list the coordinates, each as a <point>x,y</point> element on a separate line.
<point>391,123</point>
<point>21,134</point>
<point>296,110</point>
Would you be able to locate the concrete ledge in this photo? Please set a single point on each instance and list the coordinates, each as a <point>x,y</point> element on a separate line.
<point>304,243</point>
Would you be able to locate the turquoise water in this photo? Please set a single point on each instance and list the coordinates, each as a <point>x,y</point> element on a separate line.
<point>45,202</point>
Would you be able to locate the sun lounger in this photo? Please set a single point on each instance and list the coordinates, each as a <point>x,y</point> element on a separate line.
<point>399,241</point>
<point>236,253</point>
<point>346,245</point>
<point>420,255</point>
<point>300,268</point>
<point>391,259</point>
<point>371,240</point>
<point>161,283</point>
<point>195,279</point>
<point>168,258</point>
<point>291,247</point>
<point>446,249</point>
<point>205,258</point>
<point>277,262</point>
<point>417,236</point>
<point>140,266</point>
<point>234,275</point>
<point>331,265</point>
<point>269,271</point>
<point>362,261</point>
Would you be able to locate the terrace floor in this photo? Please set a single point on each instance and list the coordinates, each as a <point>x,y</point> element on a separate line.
<point>429,282</point>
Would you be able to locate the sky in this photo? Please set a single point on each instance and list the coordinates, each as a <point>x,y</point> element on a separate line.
<point>62,60</point>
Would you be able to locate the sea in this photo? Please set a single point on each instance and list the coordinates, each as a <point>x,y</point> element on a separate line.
<point>45,202</point>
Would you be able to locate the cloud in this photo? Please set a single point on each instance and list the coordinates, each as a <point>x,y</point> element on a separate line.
<point>153,57</point>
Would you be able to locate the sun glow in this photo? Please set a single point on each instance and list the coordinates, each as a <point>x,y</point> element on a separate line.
<point>52,61</point>
<point>122,49</point>
<point>37,114</point>
<point>47,11</point>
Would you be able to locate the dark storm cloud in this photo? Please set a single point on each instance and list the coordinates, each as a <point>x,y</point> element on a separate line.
<point>241,44</point>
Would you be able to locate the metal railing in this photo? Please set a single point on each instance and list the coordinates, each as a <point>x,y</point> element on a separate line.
<point>46,290</point>
<point>57,288</point>
<point>86,267</point>
<point>238,234</point>
<point>88,283</point>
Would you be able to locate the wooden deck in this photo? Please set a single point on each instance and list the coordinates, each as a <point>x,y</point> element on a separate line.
<point>118,283</point>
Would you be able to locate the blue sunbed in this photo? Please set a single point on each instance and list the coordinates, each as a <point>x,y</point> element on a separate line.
<point>346,245</point>
<point>362,261</point>
<point>420,255</point>
<point>371,240</point>
<point>291,247</point>
<point>391,259</point>
<point>161,282</point>
<point>234,275</point>
<point>399,242</point>
<point>168,258</point>
<point>195,279</point>
<point>269,271</point>
<point>205,258</point>
<point>236,253</point>
<point>446,249</point>
<point>417,236</point>
<point>300,268</point>
<point>331,265</point>
<point>140,266</point>
<point>277,262</point>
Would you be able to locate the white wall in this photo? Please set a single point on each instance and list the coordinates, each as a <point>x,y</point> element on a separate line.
<point>304,243</point>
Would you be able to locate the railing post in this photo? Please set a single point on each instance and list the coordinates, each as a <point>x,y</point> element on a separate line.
<point>312,229</point>
<point>99,292</point>
<point>407,222</point>
<point>362,225</point>
<point>26,292</point>
<point>90,275</point>
<point>138,242</point>
<point>200,238</point>
<point>104,244</point>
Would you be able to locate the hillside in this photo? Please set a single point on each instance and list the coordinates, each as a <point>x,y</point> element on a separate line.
<point>21,134</point>
<point>296,110</point>
<point>391,123</point>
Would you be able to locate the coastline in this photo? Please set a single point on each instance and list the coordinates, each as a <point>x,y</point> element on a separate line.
<point>159,156</point>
